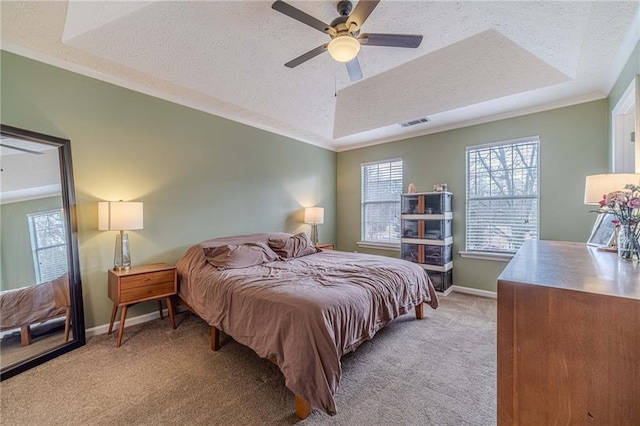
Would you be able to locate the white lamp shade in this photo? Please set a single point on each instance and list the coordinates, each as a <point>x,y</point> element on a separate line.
<point>344,48</point>
<point>314,215</point>
<point>119,215</point>
<point>596,186</point>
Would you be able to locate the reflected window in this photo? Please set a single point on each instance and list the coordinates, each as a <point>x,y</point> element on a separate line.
<point>48,244</point>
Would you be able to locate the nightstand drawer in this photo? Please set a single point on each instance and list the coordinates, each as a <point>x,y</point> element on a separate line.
<point>143,280</point>
<point>148,291</point>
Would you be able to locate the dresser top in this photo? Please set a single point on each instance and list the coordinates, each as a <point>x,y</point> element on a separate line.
<point>573,266</point>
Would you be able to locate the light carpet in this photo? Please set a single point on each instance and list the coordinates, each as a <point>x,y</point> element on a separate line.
<point>44,337</point>
<point>438,371</point>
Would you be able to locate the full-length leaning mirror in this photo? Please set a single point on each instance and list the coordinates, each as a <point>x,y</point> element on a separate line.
<point>41,314</point>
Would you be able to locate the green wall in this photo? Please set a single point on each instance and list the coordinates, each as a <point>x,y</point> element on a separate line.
<point>573,144</point>
<point>630,70</point>
<point>16,256</point>
<point>199,176</point>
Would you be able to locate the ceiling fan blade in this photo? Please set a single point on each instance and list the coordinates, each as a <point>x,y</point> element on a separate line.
<point>299,15</point>
<point>305,57</point>
<point>391,40</point>
<point>353,68</point>
<point>362,11</point>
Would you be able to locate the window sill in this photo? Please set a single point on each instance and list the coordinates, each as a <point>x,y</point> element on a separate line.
<point>500,257</point>
<point>378,246</point>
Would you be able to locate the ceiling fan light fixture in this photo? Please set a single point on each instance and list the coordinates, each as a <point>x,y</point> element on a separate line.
<point>343,48</point>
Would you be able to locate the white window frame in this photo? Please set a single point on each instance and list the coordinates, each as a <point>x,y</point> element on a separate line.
<point>36,250</point>
<point>391,244</point>
<point>493,254</point>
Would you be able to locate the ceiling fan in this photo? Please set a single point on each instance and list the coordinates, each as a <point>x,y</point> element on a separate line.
<point>345,34</point>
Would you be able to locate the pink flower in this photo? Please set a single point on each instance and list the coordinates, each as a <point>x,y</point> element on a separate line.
<point>634,203</point>
<point>623,206</point>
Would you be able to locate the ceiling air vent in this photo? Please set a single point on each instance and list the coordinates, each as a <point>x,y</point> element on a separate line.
<point>414,122</point>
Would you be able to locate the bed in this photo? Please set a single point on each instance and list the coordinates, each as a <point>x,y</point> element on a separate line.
<point>23,307</point>
<point>298,306</point>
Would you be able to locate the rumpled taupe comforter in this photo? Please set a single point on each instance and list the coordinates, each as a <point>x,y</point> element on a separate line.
<point>30,305</point>
<point>305,313</point>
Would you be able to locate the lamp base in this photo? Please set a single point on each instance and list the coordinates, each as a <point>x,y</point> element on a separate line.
<point>122,256</point>
<point>314,234</point>
<point>121,268</point>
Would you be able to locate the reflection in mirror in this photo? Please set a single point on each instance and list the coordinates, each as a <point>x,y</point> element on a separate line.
<point>38,272</point>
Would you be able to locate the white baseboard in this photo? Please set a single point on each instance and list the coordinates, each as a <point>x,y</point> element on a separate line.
<point>103,329</point>
<point>474,291</point>
<point>446,292</point>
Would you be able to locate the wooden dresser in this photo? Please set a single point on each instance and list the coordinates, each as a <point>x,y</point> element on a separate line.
<point>568,337</point>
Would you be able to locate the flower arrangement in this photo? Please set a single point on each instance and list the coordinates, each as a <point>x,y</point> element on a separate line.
<point>625,206</point>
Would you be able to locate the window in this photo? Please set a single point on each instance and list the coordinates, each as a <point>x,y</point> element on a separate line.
<point>381,190</point>
<point>48,245</point>
<point>502,195</point>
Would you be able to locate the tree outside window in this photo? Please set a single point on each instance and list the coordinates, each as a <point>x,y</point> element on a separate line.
<point>502,195</point>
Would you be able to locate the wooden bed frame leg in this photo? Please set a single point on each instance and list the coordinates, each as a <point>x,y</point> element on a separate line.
<point>215,339</point>
<point>25,335</point>
<point>420,311</point>
<point>303,408</point>
<point>67,324</point>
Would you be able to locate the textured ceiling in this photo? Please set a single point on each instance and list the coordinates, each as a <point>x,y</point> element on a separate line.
<point>28,175</point>
<point>477,61</point>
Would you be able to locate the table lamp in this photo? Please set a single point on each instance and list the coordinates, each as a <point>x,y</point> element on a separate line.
<point>120,216</point>
<point>597,186</point>
<point>314,216</point>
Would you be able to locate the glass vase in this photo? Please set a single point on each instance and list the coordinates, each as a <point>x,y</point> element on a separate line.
<point>628,243</point>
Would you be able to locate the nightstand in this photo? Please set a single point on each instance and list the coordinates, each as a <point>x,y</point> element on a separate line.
<point>140,284</point>
<point>325,246</point>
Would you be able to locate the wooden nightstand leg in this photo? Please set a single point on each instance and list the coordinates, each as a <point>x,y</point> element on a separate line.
<point>170,309</point>
<point>123,315</point>
<point>160,309</point>
<point>113,318</point>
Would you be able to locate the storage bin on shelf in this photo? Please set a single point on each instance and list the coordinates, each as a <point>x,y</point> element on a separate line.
<point>441,280</point>
<point>427,253</point>
<point>426,203</point>
<point>428,229</point>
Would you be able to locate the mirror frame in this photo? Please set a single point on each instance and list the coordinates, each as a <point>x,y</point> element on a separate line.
<point>71,222</point>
